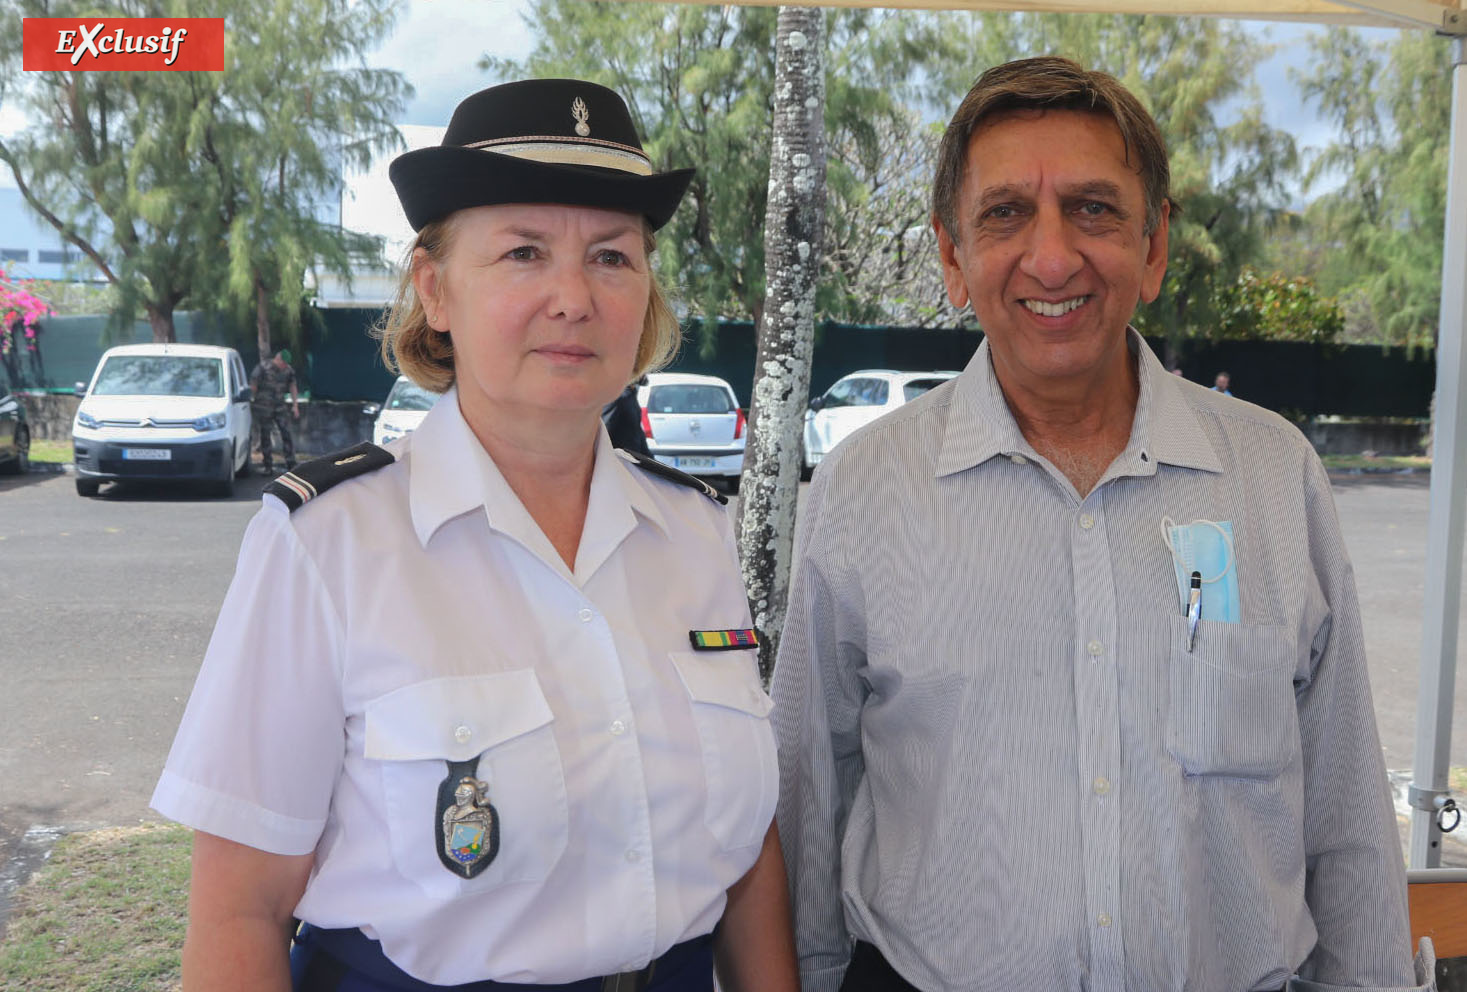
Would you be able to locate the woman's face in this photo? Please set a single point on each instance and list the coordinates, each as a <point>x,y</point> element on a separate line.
<point>545,304</point>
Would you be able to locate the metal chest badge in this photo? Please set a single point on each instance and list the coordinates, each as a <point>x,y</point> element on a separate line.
<point>466,825</point>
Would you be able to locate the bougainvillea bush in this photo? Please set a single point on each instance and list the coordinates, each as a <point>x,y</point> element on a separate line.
<point>19,311</point>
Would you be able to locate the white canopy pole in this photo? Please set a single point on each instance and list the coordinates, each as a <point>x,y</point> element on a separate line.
<point>1448,502</point>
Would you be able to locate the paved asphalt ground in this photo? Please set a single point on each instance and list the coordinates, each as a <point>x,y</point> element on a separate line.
<point>106,606</point>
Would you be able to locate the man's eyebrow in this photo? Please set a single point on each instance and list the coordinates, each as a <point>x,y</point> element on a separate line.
<point>1002,193</point>
<point>1098,189</point>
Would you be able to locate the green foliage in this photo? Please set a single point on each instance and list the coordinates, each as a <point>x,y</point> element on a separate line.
<point>1277,307</point>
<point>201,189</point>
<point>1381,231</point>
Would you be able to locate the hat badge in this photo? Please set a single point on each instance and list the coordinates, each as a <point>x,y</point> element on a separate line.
<point>582,115</point>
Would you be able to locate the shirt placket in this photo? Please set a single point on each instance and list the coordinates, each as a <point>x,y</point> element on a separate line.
<point>1097,721</point>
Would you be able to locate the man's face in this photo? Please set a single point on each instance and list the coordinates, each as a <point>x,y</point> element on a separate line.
<point>1050,248</point>
<point>1221,382</point>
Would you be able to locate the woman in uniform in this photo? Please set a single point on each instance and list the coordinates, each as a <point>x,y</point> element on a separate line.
<point>485,715</point>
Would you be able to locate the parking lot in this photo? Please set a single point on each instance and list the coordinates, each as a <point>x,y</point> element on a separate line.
<point>106,606</point>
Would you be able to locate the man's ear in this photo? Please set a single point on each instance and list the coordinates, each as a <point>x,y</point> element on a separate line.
<point>952,271</point>
<point>1154,270</point>
<point>427,280</point>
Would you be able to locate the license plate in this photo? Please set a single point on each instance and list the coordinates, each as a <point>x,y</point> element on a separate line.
<point>146,454</point>
<point>697,462</point>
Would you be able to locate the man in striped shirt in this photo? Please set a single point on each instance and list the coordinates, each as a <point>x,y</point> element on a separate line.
<point>1072,691</point>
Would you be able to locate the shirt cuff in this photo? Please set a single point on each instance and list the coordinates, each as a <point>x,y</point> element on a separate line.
<point>1424,964</point>
<point>822,980</point>
<point>233,819</point>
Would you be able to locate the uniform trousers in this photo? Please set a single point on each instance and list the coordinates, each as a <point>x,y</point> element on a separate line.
<point>263,419</point>
<point>350,961</point>
<point>869,971</point>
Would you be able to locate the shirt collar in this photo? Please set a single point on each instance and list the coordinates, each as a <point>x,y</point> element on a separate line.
<point>451,474</point>
<point>1165,429</point>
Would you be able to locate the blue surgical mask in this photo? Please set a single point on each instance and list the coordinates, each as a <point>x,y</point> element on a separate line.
<point>1206,547</point>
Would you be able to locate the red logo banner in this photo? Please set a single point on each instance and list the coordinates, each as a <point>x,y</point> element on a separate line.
<point>132,44</point>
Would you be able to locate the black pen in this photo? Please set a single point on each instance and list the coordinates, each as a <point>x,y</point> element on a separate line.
<point>1194,609</point>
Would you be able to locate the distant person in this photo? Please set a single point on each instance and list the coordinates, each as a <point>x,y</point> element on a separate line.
<point>483,711</point>
<point>623,420</point>
<point>1072,692</point>
<point>1221,382</point>
<point>1176,371</point>
<point>269,382</point>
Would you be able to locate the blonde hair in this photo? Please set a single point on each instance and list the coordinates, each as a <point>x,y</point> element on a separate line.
<point>412,347</point>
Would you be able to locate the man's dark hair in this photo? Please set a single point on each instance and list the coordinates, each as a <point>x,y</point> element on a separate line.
<point>1050,83</point>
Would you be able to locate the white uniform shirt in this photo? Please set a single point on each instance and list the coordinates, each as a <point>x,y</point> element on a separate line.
<point>417,614</point>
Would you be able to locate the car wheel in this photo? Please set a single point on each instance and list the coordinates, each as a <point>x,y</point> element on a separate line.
<point>87,487</point>
<point>806,469</point>
<point>731,484</point>
<point>22,461</point>
<point>243,471</point>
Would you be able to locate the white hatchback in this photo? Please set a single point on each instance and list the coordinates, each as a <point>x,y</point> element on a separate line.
<point>693,423</point>
<point>406,405</point>
<point>163,412</point>
<point>853,402</point>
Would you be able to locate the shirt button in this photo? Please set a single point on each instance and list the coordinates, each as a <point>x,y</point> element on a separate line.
<point>1095,648</point>
<point>1087,521</point>
<point>462,734</point>
<point>634,856</point>
<point>618,728</point>
<point>1103,919</point>
<point>585,615</point>
<point>1018,459</point>
<point>1102,785</point>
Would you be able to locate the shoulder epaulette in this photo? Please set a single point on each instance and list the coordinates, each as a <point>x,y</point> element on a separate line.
<point>650,464</point>
<point>310,479</point>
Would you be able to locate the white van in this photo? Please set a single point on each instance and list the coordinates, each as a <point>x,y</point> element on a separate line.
<point>164,411</point>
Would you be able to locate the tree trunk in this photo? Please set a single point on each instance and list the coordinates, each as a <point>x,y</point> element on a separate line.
<point>793,225</point>
<point>262,320</point>
<point>162,324</point>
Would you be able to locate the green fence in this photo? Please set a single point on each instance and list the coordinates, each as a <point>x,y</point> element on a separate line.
<point>341,361</point>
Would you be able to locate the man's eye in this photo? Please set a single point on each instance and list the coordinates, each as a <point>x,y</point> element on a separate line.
<point>1001,212</point>
<point>1093,208</point>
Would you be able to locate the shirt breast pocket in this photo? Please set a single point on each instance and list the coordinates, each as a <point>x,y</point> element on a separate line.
<point>1232,710</point>
<point>731,713</point>
<point>505,721</point>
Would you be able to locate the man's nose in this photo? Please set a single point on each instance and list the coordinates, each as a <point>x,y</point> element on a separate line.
<point>1052,255</point>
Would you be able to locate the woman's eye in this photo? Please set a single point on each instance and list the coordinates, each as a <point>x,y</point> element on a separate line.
<point>524,253</point>
<point>610,256</point>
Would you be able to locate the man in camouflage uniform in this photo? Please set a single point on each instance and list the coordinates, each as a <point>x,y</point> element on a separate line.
<point>269,382</point>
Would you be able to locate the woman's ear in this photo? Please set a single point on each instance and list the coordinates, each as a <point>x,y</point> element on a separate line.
<point>428,281</point>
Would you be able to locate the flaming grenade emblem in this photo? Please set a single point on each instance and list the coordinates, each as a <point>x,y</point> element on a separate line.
<point>582,115</point>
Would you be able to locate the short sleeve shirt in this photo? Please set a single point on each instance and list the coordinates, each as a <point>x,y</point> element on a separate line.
<point>417,615</point>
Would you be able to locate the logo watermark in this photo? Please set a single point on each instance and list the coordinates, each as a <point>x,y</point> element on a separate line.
<point>123,44</point>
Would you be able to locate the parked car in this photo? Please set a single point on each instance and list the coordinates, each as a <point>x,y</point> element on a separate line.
<point>693,423</point>
<point>164,411</point>
<point>853,402</point>
<point>406,405</point>
<point>15,435</point>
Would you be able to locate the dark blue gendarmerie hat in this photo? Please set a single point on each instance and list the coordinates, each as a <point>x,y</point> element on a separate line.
<point>537,141</point>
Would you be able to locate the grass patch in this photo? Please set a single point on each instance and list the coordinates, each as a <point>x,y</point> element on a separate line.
<point>106,913</point>
<point>1457,780</point>
<point>56,452</point>
<point>1385,462</point>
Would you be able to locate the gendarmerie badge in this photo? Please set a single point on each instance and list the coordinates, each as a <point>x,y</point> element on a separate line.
<point>466,825</point>
<point>582,116</point>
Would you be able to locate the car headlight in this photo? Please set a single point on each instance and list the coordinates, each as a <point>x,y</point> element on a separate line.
<point>211,422</point>
<point>86,419</point>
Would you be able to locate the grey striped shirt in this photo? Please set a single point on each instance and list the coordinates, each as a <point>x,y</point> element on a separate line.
<point>1002,766</point>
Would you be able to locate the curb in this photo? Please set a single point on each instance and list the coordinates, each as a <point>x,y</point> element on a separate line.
<point>50,468</point>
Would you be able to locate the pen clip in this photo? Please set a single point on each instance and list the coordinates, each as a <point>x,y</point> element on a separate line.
<point>1194,609</point>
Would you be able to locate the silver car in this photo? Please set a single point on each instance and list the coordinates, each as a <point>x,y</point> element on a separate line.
<point>693,423</point>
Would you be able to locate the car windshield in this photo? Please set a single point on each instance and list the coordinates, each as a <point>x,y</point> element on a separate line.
<point>410,396</point>
<point>917,387</point>
<point>160,375</point>
<point>688,398</point>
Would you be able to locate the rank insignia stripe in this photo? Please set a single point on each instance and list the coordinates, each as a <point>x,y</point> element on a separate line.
<point>310,479</point>
<point>724,640</point>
